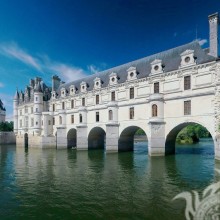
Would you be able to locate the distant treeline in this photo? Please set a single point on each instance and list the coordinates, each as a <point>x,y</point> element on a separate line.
<point>188,135</point>
<point>6,126</point>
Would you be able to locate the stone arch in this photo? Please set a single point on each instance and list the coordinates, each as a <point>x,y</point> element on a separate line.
<point>126,139</point>
<point>71,138</point>
<point>170,140</point>
<point>26,140</point>
<point>96,138</point>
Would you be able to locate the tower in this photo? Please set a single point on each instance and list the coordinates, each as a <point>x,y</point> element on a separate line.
<point>2,112</point>
<point>213,34</point>
<point>15,112</point>
<point>38,106</point>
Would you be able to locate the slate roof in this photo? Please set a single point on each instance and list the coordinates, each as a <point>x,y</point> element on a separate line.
<point>170,59</point>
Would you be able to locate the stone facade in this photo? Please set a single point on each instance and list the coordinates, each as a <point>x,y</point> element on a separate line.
<point>160,94</point>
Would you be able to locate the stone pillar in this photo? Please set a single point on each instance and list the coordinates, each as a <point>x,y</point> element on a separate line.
<point>217,147</point>
<point>112,136</point>
<point>156,139</point>
<point>61,138</point>
<point>82,137</point>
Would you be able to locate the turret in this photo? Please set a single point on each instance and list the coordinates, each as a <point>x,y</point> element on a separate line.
<point>2,112</point>
<point>38,107</point>
<point>15,111</point>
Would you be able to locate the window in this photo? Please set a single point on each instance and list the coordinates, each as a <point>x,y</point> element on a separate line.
<point>83,101</point>
<point>26,110</point>
<point>32,110</point>
<point>20,112</point>
<point>26,121</point>
<point>36,122</point>
<point>53,121</point>
<point>187,82</point>
<point>131,113</point>
<point>53,107</point>
<point>113,96</point>
<point>80,118</point>
<point>63,105</point>
<point>42,123</point>
<point>20,123</point>
<point>36,109</point>
<point>154,110</point>
<point>36,98</point>
<point>187,107</point>
<point>32,122</point>
<point>131,93</point>
<point>97,99</point>
<point>72,103</point>
<point>72,119</point>
<point>110,115</point>
<point>49,122</point>
<point>97,116</point>
<point>60,119</point>
<point>156,87</point>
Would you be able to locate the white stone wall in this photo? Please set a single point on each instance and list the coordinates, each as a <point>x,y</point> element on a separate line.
<point>170,107</point>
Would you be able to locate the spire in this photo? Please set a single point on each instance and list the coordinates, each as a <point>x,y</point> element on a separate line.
<point>37,87</point>
<point>16,96</point>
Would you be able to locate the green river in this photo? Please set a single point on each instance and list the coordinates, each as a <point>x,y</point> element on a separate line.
<point>70,184</point>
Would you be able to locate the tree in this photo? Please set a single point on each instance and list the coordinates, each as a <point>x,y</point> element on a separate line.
<point>6,126</point>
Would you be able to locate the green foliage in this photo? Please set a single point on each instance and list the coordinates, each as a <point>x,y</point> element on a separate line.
<point>191,134</point>
<point>140,132</point>
<point>6,126</point>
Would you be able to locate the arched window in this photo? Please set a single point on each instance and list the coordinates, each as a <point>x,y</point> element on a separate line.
<point>80,118</point>
<point>154,110</point>
<point>110,115</point>
<point>60,120</point>
<point>53,121</point>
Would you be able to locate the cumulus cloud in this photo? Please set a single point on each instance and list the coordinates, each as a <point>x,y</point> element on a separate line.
<point>12,50</point>
<point>202,41</point>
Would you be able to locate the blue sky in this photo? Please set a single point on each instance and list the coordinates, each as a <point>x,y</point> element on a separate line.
<point>76,38</point>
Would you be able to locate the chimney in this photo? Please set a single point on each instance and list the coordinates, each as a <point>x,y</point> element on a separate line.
<point>213,34</point>
<point>55,82</point>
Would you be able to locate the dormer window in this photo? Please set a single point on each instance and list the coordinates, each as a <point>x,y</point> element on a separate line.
<point>187,58</point>
<point>54,95</point>
<point>156,67</point>
<point>72,90</point>
<point>83,86</point>
<point>113,79</point>
<point>97,83</point>
<point>63,92</point>
<point>132,73</point>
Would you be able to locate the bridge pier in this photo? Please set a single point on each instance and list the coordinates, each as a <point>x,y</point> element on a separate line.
<point>112,136</point>
<point>156,139</point>
<point>217,147</point>
<point>82,139</point>
<point>61,138</point>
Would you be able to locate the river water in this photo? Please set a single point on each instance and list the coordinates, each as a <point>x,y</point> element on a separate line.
<point>70,184</point>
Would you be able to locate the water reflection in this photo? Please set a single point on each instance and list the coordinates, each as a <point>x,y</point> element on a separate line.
<point>64,184</point>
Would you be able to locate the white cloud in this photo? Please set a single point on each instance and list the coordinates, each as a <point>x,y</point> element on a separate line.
<point>13,51</point>
<point>67,72</point>
<point>1,85</point>
<point>202,41</point>
<point>93,69</point>
<point>43,63</point>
